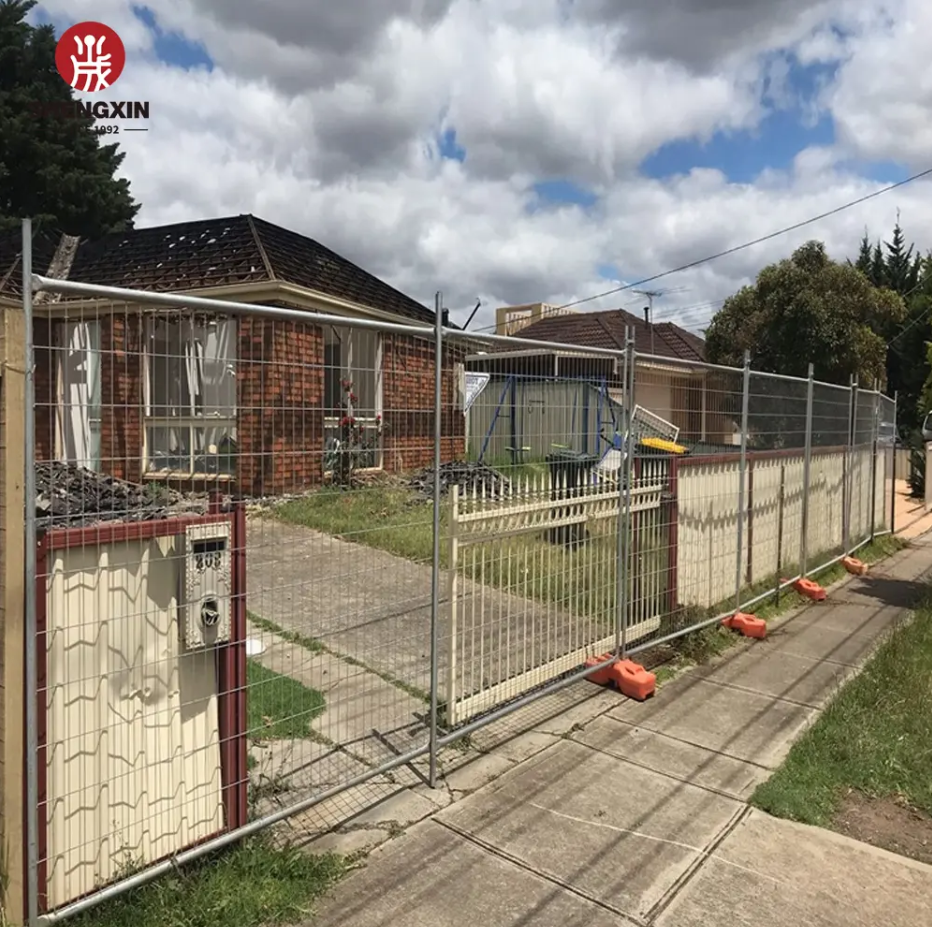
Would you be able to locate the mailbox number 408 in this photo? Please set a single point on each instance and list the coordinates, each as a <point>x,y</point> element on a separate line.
<point>211,560</point>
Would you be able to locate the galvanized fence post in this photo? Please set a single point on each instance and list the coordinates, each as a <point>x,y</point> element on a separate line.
<point>31,695</point>
<point>807,471</point>
<point>742,476</point>
<point>627,472</point>
<point>896,398</point>
<point>875,417</point>
<point>849,464</point>
<point>435,561</point>
<point>620,591</point>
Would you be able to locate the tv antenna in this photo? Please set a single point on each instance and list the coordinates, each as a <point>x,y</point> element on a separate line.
<point>651,295</point>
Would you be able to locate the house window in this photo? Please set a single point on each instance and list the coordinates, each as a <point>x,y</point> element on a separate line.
<point>353,356</point>
<point>78,409</point>
<point>191,396</point>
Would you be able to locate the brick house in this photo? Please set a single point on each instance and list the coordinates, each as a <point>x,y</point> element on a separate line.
<point>246,403</point>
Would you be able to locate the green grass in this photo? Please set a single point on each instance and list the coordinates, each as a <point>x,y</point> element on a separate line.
<point>253,884</point>
<point>392,519</point>
<point>875,736</point>
<point>278,707</point>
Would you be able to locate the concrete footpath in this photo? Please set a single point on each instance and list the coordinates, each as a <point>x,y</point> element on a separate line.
<point>619,813</point>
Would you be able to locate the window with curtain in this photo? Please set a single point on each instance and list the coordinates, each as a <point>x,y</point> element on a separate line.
<point>78,409</point>
<point>353,355</point>
<point>191,396</point>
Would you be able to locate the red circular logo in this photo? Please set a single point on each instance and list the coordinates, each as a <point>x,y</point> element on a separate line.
<point>90,57</point>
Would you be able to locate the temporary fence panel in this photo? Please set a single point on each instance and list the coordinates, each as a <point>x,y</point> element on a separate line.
<point>315,435</point>
<point>892,456</point>
<point>533,587</point>
<point>707,517</point>
<point>368,623</point>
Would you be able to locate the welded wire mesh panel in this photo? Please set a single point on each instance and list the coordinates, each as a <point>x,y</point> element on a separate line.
<point>893,464</point>
<point>776,489</point>
<point>683,550</point>
<point>863,463</point>
<point>531,525</point>
<point>831,408</point>
<point>235,575</point>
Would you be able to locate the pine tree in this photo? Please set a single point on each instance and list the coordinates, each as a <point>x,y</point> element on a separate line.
<point>915,274</point>
<point>878,274</point>
<point>899,261</point>
<point>51,169</point>
<point>863,263</point>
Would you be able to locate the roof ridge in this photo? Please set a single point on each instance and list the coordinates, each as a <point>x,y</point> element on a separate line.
<point>601,320</point>
<point>269,269</point>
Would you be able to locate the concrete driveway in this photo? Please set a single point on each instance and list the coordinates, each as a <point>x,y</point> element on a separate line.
<point>374,608</point>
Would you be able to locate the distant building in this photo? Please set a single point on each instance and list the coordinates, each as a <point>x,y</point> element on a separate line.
<point>511,319</point>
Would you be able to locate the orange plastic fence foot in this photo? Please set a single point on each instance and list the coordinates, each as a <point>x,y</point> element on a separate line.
<point>809,589</point>
<point>601,677</point>
<point>855,566</point>
<point>633,680</point>
<point>748,625</point>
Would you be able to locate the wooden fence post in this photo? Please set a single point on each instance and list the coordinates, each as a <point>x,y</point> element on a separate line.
<point>12,610</point>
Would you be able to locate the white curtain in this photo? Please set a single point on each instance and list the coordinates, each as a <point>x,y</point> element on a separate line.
<point>217,371</point>
<point>78,410</point>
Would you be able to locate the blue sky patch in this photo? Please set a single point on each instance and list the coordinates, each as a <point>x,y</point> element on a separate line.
<point>449,147</point>
<point>792,124</point>
<point>562,192</point>
<point>172,47</point>
<point>885,172</point>
<point>608,272</point>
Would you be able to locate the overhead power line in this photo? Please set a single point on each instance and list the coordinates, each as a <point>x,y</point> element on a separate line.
<point>750,244</point>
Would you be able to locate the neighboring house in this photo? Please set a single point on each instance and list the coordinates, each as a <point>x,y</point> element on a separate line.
<point>671,381</point>
<point>246,401</point>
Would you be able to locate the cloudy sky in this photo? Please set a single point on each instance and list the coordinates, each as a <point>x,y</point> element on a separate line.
<point>532,150</point>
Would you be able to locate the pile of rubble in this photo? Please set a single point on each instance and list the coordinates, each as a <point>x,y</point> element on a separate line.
<point>68,495</point>
<point>470,477</point>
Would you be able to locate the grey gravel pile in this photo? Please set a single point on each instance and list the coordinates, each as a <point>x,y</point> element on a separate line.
<point>68,495</point>
<point>467,475</point>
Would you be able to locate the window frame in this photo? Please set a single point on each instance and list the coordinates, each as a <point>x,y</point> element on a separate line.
<point>331,422</point>
<point>95,412</point>
<point>191,422</point>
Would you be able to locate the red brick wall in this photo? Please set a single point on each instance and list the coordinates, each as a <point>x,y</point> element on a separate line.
<point>408,404</point>
<point>46,389</point>
<point>280,425</point>
<point>122,396</point>
<point>280,396</point>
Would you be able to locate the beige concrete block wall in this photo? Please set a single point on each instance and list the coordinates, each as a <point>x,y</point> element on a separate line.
<point>707,498</point>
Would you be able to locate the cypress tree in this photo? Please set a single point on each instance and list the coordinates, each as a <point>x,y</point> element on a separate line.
<point>51,169</point>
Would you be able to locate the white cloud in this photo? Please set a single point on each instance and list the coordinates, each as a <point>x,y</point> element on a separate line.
<point>330,129</point>
<point>882,98</point>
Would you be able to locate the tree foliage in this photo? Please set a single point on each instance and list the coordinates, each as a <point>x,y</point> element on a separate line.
<point>902,268</point>
<point>51,169</point>
<point>808,309</point>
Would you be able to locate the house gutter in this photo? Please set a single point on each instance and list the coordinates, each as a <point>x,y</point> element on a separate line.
<point>138,299</point>
<point>309,301</point>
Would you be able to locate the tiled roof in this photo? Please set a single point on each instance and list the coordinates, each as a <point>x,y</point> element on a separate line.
<point>11,270</point>
<point>211,252</point>
<point>607,330</point>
